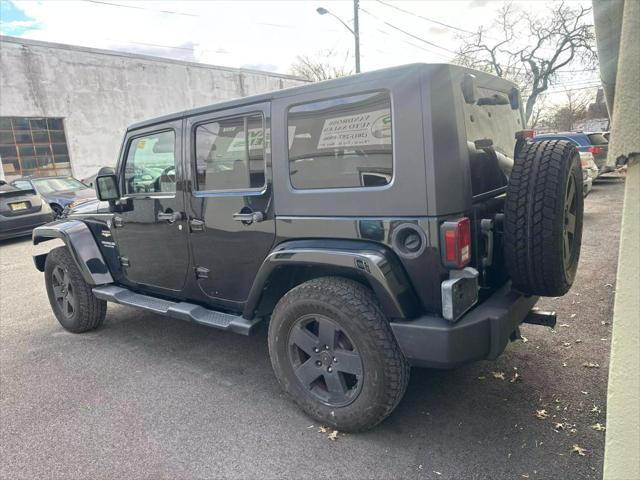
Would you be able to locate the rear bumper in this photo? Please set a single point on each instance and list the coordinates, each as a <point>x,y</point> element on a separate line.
<point>18,226</point>
<point>483,333</point>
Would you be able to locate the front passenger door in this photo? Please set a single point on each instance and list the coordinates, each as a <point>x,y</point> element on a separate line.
<point>149,225</point>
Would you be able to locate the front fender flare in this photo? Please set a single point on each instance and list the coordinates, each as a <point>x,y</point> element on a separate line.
<point>81,245</point>
<point>379,267</point>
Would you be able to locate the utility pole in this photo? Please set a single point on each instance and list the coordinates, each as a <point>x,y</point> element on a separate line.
<point>356,33</point>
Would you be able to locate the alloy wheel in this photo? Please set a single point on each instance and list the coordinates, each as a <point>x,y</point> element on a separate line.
<point>325,360</point>
<point>63,291</point>
<point>569,222</point>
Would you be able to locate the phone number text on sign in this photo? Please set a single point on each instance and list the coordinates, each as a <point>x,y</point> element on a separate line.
<point>371,128</point>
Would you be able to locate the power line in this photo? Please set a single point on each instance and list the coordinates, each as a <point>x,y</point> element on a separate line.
<point>137,7</point>
<point>425,18</point>
<point>407,33</point>
<point>172,12</point>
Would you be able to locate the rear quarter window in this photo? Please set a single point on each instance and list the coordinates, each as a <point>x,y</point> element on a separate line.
<point>344,142</point>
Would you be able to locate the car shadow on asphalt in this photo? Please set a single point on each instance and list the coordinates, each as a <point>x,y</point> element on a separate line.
<point>436,400</point>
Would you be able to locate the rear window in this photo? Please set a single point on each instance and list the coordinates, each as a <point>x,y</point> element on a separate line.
<point>341,143</point>
<point>597,139</point>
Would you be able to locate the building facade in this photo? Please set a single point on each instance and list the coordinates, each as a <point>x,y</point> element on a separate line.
<point>64,109</point>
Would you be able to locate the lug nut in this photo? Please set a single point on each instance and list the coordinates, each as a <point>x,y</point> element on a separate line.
<point>335,360</point>
<point>316,349</point>
<point>329,369</point>
<point>318,363</point>
<point>326,347</point>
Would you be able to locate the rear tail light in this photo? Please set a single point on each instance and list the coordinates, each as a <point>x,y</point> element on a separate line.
<point>595,150</point>
<point>525,134</point>
<point>456,242</point>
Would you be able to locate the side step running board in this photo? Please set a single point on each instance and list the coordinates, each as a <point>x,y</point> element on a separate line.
<point>540,317</point>
<point>180,310</point>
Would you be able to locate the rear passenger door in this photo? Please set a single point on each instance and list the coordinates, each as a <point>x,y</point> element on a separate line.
<point>231,219</point>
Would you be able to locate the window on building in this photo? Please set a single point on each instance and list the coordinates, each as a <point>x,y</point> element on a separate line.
<point>230,153</point>
<point>33,146</point>
<point>341,143</point>
<point>151,164</point>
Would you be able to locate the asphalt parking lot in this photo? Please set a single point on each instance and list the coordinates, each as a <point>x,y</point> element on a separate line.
<point>152,397</point>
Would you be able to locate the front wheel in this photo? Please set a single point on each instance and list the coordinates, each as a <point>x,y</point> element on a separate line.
<point>333,351</point>
<point>72,301</point>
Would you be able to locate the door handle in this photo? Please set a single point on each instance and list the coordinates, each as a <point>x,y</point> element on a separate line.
<point>170,217</point>
<point>249,218</point>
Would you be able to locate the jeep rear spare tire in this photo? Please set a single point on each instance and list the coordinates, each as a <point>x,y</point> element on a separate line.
<point>543,218</point>
<point>334,353</point>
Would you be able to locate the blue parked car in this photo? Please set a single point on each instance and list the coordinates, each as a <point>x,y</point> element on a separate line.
<point>594,143</point>
<point>58,192</point>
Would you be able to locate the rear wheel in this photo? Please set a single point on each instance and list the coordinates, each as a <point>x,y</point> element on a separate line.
<point>333,351</point>
<point>543,218</point>
<point>71,298</point>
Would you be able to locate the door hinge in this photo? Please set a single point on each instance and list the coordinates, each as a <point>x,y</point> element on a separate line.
<point>124,261</point>
<point>196,225</point>
<point>117,222</point>
<point>202,272</point>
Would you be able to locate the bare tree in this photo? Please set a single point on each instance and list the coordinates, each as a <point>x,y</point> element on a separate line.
<point>532,50</point>
<point>319,67</point>
<point>565,115</point>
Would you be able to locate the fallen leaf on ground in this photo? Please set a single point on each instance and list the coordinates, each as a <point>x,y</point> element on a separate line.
<point>604,323</point>
<point>579,450</point>
<point>590,365</point>
<point>566,344</point>
<point>564,364</point>
<point>515,378</point>
<point>541,414</point>
<point>524,339</point>
<point>573,315</point>
<point>608,285</point>
<point>578,340</point>
<point>558,426</point>
<point>498,375</point>
<point>437,473</point>
<point>333,435</point>
<point>599,427</point>
<point>323,429</point>
<point>564,325</point>
<point>595,409</point>
<point>584,393</point>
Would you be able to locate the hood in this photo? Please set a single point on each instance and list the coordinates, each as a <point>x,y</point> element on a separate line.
<point>88,207</point>
<point>67,196</point>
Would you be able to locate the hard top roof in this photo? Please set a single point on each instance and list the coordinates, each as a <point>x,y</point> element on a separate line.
<point>403,70</point>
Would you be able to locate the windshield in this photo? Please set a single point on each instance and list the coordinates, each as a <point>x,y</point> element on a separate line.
<point>48,185</point>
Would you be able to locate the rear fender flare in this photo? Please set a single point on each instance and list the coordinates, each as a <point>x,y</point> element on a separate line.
<point>376,265</point>
<point>81,245</point>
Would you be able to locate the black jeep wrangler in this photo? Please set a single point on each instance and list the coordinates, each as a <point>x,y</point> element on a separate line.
<point>385,220</point>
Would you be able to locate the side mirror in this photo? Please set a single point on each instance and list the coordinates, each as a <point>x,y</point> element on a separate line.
<point>107,187</point>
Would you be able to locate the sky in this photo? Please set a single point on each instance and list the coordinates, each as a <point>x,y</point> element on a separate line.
<point>264,35</point>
